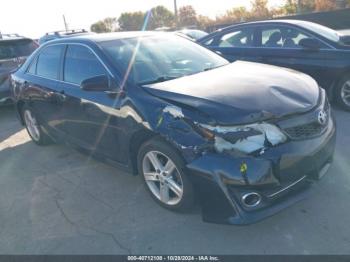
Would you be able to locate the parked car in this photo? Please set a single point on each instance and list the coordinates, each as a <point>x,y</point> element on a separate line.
<point>61,34</point>
<point>305,46</point>
<point>344,32</point>
<point>193,34</point>
<point>247,138</point>
<point>13,51</point>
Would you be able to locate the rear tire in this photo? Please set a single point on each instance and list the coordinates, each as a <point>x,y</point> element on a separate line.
<point>162,169</point>
<point>342,92</point>
<point>34,128</point>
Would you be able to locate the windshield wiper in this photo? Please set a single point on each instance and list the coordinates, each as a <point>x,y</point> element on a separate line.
<point>214,67</point>
<point>157,80</point>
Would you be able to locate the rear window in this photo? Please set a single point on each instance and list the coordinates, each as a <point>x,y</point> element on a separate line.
<point>48,64</point>
<point>326,32</point>
<point>16,48</point>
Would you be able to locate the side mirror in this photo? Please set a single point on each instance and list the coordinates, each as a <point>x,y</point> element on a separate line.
<point>96,83</point>
<point>310,44</point>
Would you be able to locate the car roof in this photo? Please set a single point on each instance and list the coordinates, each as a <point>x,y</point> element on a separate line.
<point>59,36</point>
<point>67,32</point>
<point>11,37</point>
<point>190,30</point>
<point>278,21</point>
<point>107,36</point>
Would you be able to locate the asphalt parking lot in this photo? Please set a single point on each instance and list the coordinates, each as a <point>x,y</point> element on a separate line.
<point>55,200</point>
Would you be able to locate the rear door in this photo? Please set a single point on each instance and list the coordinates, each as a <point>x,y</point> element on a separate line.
<point>235,44</point>
<point>42,87</point>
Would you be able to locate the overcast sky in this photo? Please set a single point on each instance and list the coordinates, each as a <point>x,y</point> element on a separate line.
<point>33,18</point>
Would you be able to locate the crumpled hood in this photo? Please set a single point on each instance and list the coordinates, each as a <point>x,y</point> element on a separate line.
<point>242,92</point>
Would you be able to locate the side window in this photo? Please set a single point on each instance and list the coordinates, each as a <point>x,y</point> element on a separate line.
<point>208,42</point>
<point>283,37</point>
<point>32,67</point>
<point>48,63</point>
<point>80,64</point>
<point>240,38</point>
<point>271,37</point>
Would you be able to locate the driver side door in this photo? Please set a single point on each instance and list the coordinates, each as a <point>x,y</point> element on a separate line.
<point>88,123</point>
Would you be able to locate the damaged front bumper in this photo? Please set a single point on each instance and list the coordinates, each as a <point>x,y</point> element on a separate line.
<point>280,177</point>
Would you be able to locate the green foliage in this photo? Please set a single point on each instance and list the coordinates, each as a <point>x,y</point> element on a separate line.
<point>204,21</point>
<point>98,27</point>
<point>239,13</point>
<point>325,5</point>
<point>290,7</point>
<point>187,16</point>
<point>160,17</point>
<point>131,21</point>
<point>260,10</point>
<point>307,6</point>
<point>234,15</point>
<point>109,24</point>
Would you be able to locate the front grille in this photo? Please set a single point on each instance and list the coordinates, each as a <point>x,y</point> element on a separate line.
<point>314,127</point>
<point>305,131</point>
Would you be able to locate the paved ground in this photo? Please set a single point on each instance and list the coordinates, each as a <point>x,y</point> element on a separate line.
<point>53,200</point>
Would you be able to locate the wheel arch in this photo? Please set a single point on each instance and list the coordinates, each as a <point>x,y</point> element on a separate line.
<point>331,92</point>
<point>136,140</point>
<point>141,137</point>
<point>19,107</point>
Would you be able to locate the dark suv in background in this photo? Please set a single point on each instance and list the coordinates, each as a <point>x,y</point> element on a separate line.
<point>14,50</point>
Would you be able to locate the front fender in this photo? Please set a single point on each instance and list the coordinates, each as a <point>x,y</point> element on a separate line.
<point>178,131</point>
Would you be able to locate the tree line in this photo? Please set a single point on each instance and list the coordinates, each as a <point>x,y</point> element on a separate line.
<point>161,17</point>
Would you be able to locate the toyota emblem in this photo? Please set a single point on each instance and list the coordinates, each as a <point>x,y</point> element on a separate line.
<point>322,117</point>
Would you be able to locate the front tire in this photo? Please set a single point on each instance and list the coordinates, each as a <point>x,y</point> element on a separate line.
<point>162,169</point>
<point>33,127</point>
<point>342,92</point>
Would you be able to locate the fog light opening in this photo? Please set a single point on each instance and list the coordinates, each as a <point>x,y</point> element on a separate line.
<point>251,199</point>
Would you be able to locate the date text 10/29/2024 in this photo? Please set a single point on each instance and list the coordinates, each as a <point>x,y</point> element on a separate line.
<point>173,258</point>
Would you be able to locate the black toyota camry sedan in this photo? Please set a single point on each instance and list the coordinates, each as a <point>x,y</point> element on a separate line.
<point>244,139</point>
<point>310,48</point>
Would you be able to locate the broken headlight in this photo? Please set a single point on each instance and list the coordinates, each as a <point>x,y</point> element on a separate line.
<point>246,139</point>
